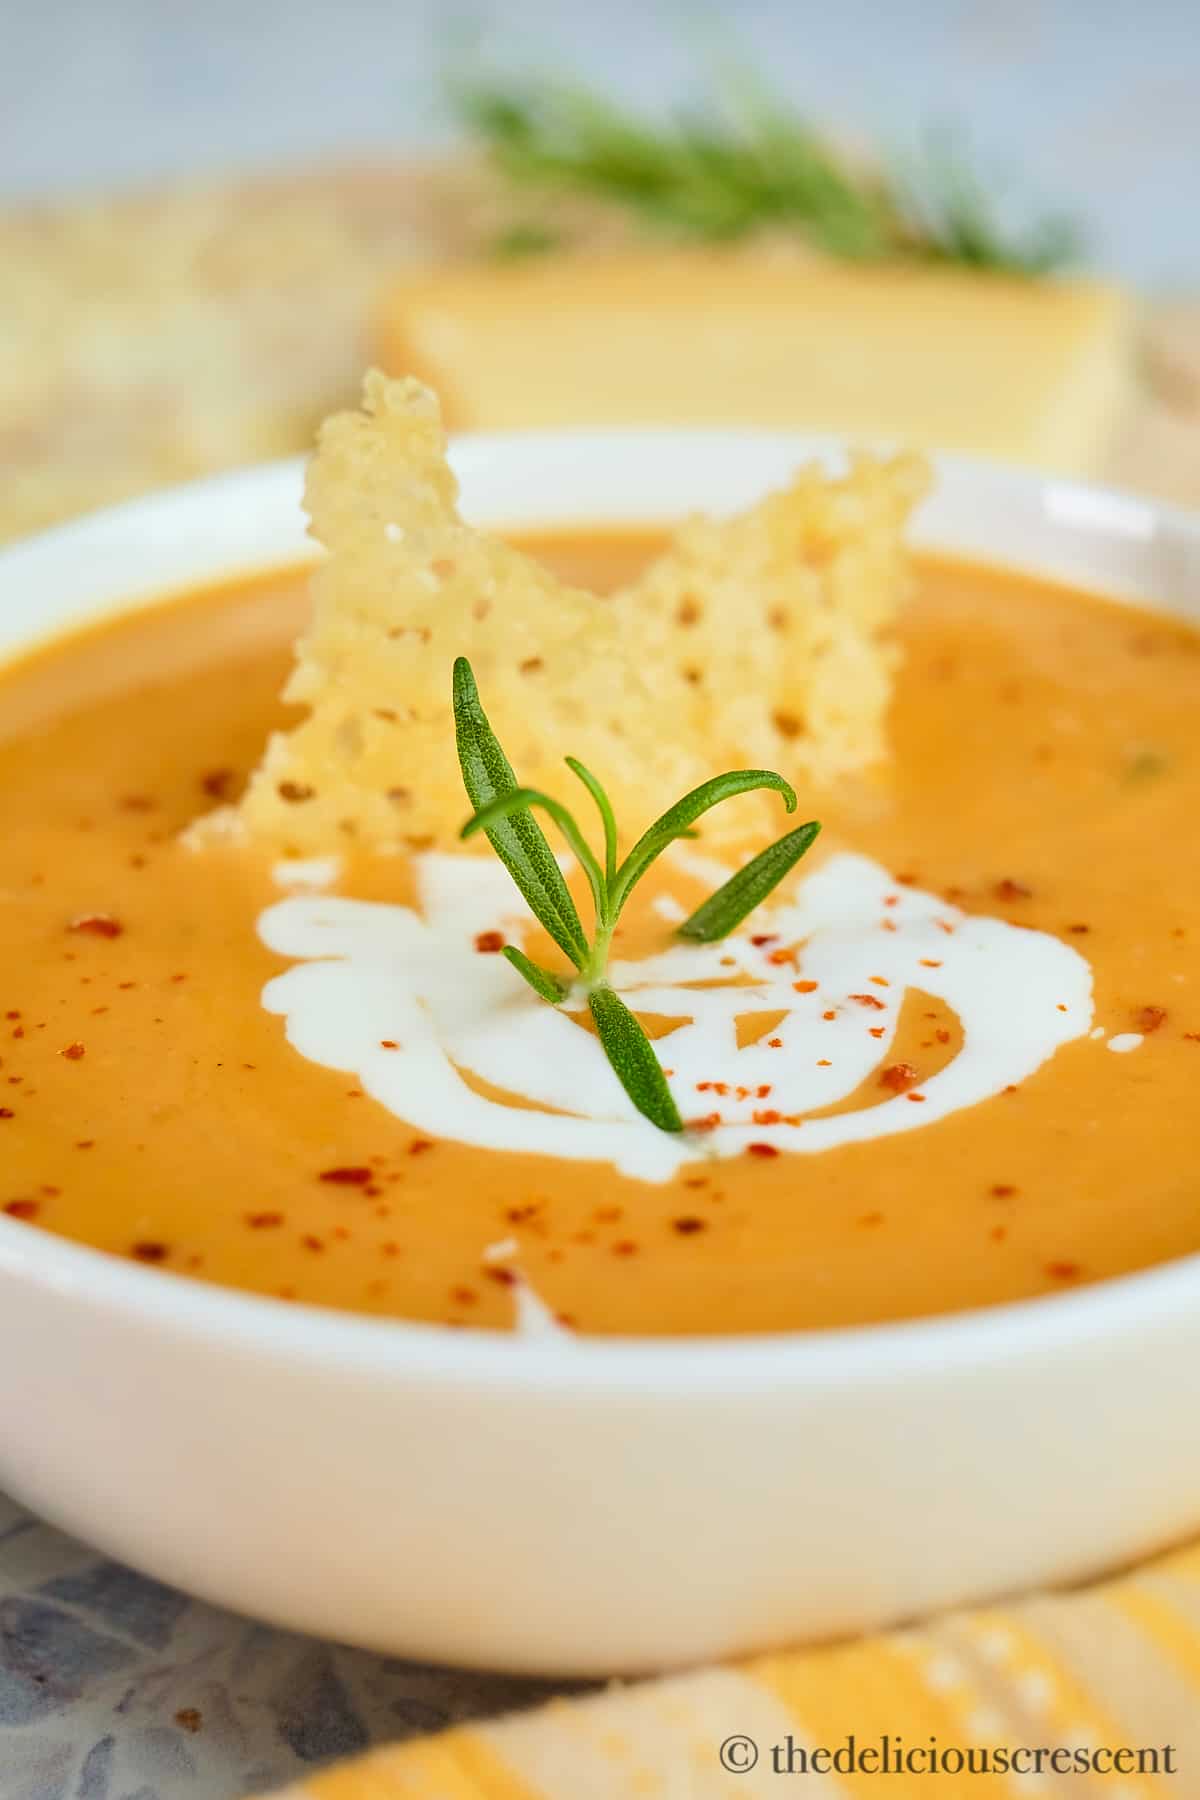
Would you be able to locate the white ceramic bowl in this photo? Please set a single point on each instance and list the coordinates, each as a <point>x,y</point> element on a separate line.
<point>612,1505</point>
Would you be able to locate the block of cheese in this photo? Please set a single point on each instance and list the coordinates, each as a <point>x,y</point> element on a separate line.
<point>1007,366</point>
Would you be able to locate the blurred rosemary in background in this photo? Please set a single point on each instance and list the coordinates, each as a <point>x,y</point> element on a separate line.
<point>741,163</point>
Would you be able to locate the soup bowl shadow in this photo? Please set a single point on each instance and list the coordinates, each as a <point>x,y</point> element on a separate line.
<point>591,1506</point>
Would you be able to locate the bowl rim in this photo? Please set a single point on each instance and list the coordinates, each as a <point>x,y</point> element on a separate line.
<point>357,1344</point>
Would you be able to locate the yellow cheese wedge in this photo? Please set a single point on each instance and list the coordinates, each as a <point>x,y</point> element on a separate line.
<point>1007,366</point>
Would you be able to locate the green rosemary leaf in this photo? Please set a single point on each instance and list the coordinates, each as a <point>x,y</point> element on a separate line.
<point>608,818</point>
<point>551,987</point>
<point>632,1056</point>
<point>505,806</point>
<point>675,821</point>
<point>748,888</point>
<point>518,840</point>
<point>744,161</point>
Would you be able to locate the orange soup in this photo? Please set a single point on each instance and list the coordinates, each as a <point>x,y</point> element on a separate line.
<point>1045,775</point>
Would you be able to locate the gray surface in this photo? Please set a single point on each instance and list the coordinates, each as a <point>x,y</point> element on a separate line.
<point>113,1687</point>
<point>1087,103</point>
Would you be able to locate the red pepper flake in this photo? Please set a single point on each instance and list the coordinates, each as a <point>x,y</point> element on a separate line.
<point>488,943</point>
<point>688,1225</point>
<point>779,957</point>
<point>1008,889</point>
<point>761,1092</point>
<point>1151,1017</point>
<point>708,1122</point>
<point>624,1247</point>
<point>876,1031</point>
<point>767,1116</point>
<point>805,987</point>
<point>101,925</point>
<point>216,783</point>
<point>352,1176</point>
<point>898,1077</point>
<point>1079,930</point>
<point>1002,1190</point>
<point>137,803</point>
<point>72,1052</point>
<point>1193,1037</point>
<point>761,1150</point>
<point>917,1099</point>
<point>907,880</point>
<point>149,1252</point>
<point>1063,1271</point>
<point>879,980</point>
<point>189,1718</point>
<point>774,1043</point>
<point>263,1221</point>
<point>831,1014</point>
<point>931,962</point>
<point>464,1296</point>
<point>22,1209</point>
<point>868,1000</point>
<point>388,1044</point>
<point>766,938</point>
<point>6,1112</point>
<point>312,1242</point>
<point>419,1146</point>
<point>504,1277</point>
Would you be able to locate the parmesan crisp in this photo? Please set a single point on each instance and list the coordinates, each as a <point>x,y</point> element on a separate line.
<point>760,640</point>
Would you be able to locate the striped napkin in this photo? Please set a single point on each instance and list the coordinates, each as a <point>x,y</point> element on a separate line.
<point>1103,1682</point>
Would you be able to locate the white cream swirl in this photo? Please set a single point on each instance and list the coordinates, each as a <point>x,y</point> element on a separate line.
<point>404,999</point>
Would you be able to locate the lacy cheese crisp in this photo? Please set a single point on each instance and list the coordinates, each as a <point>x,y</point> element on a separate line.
<point>757,640</point>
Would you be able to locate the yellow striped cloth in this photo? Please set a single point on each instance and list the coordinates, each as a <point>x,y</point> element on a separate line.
<point>1107,1676</point>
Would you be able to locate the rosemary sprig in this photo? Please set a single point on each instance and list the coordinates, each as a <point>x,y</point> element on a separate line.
<point>504,813</point>
<point>743,162</point>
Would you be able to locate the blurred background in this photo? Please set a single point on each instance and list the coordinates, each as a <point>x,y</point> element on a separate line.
<point>202,206</point>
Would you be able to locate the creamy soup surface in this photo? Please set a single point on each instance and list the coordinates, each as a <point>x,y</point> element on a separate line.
<point>1046,772</point>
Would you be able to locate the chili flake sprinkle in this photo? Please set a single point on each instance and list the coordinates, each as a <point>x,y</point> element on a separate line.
<point>101,925</point>
<point>761,1150</point>
<point>1150,1018</point>
<point>72,1052</point>
<point>489,943</point>
<point>149,1252</point>
<point>898,1077</point>
<point>689,1225</point>
<point>22,1209</point>
<point>351,1176</point>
